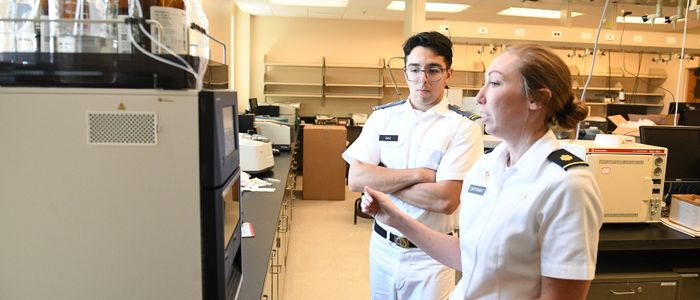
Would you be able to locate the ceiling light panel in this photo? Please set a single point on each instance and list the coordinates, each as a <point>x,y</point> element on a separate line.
<point>534,13</point>
<point>431,7</point>
<point>313,3</point>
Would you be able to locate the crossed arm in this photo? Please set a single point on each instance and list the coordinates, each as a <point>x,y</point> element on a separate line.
<point>416,186</point>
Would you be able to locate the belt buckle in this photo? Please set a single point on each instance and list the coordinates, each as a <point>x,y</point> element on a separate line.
<point>401,242</point>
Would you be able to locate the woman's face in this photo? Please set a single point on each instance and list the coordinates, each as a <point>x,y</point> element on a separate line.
<point>504,107</point>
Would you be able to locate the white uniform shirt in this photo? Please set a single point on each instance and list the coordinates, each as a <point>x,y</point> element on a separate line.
<point>439,139</point>
<point>533,219</point>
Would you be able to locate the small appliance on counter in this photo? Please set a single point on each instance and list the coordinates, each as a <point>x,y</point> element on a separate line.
<point>256,153</point>
<point>279,133</point>
<point>630,176</point>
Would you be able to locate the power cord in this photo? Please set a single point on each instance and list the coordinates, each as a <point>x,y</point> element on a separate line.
<point>590,72</point>
<point>637,79</point>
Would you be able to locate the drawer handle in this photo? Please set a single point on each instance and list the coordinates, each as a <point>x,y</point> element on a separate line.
<point>621,293</point>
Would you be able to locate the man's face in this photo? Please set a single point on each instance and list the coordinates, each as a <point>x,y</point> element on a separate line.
<point>426,75</point>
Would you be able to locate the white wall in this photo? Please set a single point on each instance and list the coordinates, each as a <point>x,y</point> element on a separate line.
<point>241,56</point>
<point>283,39</point>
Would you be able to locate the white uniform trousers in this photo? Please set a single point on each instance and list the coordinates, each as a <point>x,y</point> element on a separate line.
<point>401,274</point>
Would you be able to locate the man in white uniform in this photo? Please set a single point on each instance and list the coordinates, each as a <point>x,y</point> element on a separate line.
<point>417,151</point>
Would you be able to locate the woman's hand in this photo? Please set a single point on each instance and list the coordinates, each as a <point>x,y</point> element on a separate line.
<point>380,206</point>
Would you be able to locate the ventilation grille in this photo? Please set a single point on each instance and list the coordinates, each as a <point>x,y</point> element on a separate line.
<point>621,215</point>
<point>122,128</point>
<point>620,162</point>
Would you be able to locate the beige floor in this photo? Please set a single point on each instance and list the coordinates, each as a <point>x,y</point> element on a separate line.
<point>327,256</point>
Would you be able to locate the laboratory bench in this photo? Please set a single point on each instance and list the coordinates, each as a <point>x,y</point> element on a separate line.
<point>264,255</point>
<point>646,261</point>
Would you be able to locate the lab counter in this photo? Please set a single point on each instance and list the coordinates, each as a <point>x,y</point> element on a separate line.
<point>644,236</point>
<point>262,210</point>
<point>651,247</point>
<point>646,261</point>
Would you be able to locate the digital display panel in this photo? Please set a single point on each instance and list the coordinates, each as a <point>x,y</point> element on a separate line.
<point>231,210</point>
<point>229,130</point>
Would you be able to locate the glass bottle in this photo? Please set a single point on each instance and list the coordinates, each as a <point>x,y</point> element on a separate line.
<point>81,37</point>
<point>120,32</point>
<point>172,16</point>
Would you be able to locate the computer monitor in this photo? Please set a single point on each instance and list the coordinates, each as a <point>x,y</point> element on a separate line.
<point>683,107</point>
<point>691,118</point>
<point>246,123</point>
<point>268,110</point>
<point>253,103</point>
<point>683,144</point>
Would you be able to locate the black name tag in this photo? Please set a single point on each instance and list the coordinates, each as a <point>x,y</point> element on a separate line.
<point>475,189</point>
<point>388,138</point>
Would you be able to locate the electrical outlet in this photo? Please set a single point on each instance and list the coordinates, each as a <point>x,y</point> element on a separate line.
<point>637,38</point>
<point>444,28</point>
<point>556,33</point>
<point>482,30</point>
<point>585,35</point>
<point>519,31</point>
<point>609,36</point>
<point>670,40</point>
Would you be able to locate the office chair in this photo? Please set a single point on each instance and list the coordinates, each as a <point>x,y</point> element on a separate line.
<point>358,211</point>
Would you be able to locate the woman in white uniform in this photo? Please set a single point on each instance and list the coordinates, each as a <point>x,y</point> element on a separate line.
<point>530,211</point>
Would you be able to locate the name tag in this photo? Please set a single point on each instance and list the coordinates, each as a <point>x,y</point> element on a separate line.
<point>475,189</point>
<point>388,138</point>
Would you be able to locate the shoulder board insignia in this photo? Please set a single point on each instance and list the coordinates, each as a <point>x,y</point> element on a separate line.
<point>387,105</point>
<point>566,159</point>
<point>463,112</point>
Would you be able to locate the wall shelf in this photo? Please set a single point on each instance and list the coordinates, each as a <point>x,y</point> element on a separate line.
<point>324,86</point>
<point>296,65</point>
<point>293,95</point>
<point>360,85</point>
<point>355,96</point>
<point>340,82</point>
<point>354,66</point>
<point>294,83</point>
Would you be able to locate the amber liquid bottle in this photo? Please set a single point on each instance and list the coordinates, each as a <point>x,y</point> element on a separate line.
<point>172,16</point>
<point>124,7</point>
<point>44,38</point>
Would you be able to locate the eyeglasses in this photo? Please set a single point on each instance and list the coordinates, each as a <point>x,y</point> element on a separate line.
<point>433,74</point>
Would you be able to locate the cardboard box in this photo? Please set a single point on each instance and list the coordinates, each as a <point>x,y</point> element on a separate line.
<point>324,168</point>
<point>685,210</point>
<point>622,129</point>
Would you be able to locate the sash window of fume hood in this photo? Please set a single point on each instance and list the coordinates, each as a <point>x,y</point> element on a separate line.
<point>176,28</point>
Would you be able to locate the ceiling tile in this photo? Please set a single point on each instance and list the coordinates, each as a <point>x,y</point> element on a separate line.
<point>483,11</point>
<point>290,11</point>
<point>374,4</point>
<point>256,8</point>
<point>360,14</point>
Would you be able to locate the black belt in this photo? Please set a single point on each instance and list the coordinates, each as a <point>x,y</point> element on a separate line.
<point>400,241</point>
